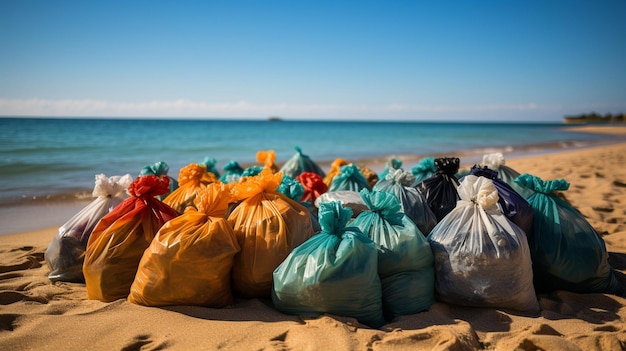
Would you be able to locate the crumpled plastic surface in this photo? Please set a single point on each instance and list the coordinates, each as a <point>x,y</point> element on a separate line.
<point>414,205</point>
<point>424,169</point>
<point>313,185</point>
<point>117,243</point>
<point>567,252</point>
<point>300,163</point>
<point>65,253</point>
<point>497,162</point>
<point>160,169</point>
<point>189,262</point>
<point>349,199</point>
<point>440,189</point>
<point>268,226</point>
<point>481,258</point>
<point>191,179</point>
<point>335,272</point>
<point>405,260</point>
<point>349,178</point>
<point>268,158</point>
<point>232,172</point>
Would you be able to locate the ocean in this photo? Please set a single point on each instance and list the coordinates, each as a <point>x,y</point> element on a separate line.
<point>45,160</point>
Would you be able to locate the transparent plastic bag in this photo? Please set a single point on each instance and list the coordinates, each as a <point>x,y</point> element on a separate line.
<point>349,199</point>
<point>440,189</point>
<point>405,260</point>
<point>268,225</point>
<point>189,262</point>
<point>299,164</point>
<point>567,252</point>
<point>117,243</point>
<point>414,205</point>
<point>65,253</point>
<point>392,163</point>
<point>512,204</point>
<point>481,258</point>
<point>334,272</point>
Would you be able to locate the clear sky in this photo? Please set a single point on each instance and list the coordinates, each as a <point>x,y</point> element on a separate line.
<point>527,60</point>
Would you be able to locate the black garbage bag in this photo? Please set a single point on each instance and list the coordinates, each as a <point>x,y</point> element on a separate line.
<point>440,189</point>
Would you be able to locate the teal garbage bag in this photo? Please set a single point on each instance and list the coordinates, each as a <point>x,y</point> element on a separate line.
<point>160,169</point>
<point>300,163</point>
<point>232,172</point>
<point>424,169</point>
<point>334,272</point>
<point>482,258</point>
<point>405,260</point>
<point>392,163</point>
<point>567,252</point>
<point>294,190</point>
<point>210,163</point>
<point>252,171</point>
<point>349,178</point>
<point>414,205</point>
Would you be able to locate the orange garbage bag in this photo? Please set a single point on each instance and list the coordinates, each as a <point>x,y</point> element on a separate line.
<point>370,176</point>
<point>191,178</point>
<point>268,226</point>
<point>189,261</point>
<point>269,160</point>
<point>119,239</point>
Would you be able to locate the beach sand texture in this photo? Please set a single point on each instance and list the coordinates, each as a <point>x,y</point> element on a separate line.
<point>37,314</point>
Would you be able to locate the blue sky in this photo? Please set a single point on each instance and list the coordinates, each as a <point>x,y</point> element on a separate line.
<point>401,60</point>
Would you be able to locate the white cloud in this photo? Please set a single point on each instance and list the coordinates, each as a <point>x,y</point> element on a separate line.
<point>244,109</point>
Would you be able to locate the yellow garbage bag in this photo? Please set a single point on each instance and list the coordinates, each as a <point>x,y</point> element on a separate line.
<point>268,226</point>
<point>191,178</point>
<point>189,261</point>
<point>119,239</point>
<point>268,158</point>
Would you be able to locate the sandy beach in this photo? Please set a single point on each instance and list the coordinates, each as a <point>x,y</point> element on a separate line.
<point>36,314</point>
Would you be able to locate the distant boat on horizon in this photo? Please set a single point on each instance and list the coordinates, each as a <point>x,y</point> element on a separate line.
<point>274,119</point>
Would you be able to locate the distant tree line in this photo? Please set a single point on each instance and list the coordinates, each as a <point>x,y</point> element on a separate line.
<point>595,118</point>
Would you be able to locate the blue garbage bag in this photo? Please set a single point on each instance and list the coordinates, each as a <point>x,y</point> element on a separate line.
<point>567,252</point>
<point>496,162</point>
<point>414,205</point>
<point>334,272</point>
<point>405,260</point>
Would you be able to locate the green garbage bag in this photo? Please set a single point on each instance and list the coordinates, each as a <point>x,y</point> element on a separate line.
<point>567,252</point>
<point>334,272</point>
<point>405,261</point>
<point>300,163</point>
<point>414,205</point>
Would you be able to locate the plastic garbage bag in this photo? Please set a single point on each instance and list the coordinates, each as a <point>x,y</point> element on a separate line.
<point>481,258</point>
<point>424,169</point>
<point>268,158</point>
<point>300,163</point>
<point>268,226</point>
<point>117,243</point>
<point>370,176</point>
<point>313,185</point>
<point>189,262</point>
<point>65,253</point>
<point>349,178</point>
<point>348,198</point>
<point>512,204</point>
<point>160,169</point>
<point>191,179</point>
<point>496,162</point>
<point>251,171</point>
<point>210,164</point>
<point>567,252</point>
<point>414,205</point>
<point>405,260</point>
<point>335,169</point>
<point>440,189</point>
<point>292,188</point>
<point>334,272</point>
<point>392,163</point>
<point>232,172</point>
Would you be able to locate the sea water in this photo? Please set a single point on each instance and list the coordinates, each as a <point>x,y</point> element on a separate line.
<point>44,160</point>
